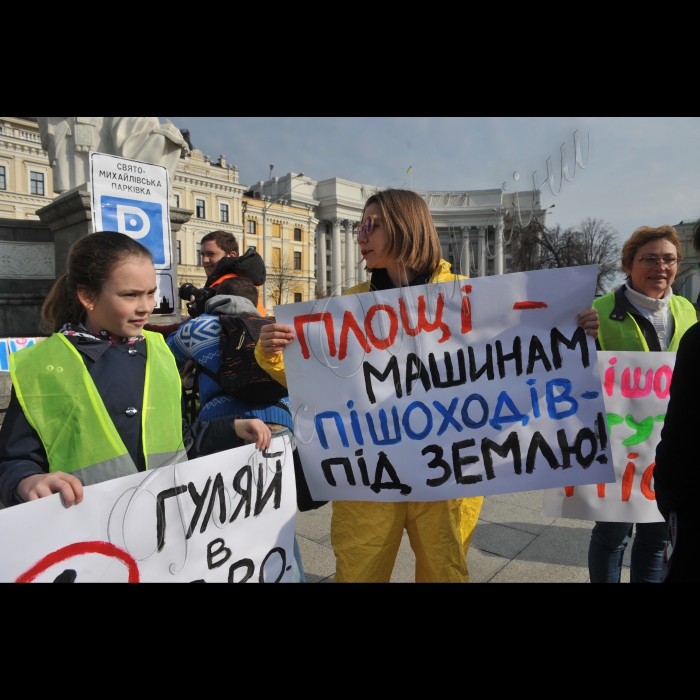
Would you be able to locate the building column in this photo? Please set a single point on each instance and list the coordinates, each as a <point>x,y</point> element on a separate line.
<point>350,272</point>
<point>336,260</point>
<point>321,281</point>
<point>483,271</point>
<point>465,260</point>
<point>498,262</point>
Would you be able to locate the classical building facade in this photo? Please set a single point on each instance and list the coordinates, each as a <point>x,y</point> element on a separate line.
<point>284,234</point>
<point>213,192</point>
<point>215,196</point>
<point>26,181</point>
<point>472,225</point>
<point>688,277</point>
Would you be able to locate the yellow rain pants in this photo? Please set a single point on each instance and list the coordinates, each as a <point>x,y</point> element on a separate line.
<point>366,536</point>
<point>366,539</point>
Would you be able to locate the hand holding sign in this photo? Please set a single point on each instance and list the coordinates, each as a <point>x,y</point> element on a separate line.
<point>590,322</point>
<point>275,337</point>
<point>43,485</point>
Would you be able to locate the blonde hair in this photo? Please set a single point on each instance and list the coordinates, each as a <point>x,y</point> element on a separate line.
<point>645,235</point>
<point>412,238</point>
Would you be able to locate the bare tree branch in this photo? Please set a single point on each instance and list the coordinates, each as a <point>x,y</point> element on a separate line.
<point>280,280</point>
<point>592,242</point>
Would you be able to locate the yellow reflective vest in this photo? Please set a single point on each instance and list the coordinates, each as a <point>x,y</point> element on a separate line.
<point>618,334</point>
<point>61,402</point>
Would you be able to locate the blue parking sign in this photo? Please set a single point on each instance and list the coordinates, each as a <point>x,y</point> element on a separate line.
<point>140,220</point>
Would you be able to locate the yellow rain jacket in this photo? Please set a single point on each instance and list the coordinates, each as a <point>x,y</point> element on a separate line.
<point>366,536</point>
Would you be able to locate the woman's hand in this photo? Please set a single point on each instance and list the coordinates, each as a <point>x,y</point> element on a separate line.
<point>254,430</point>
<point>43,485</point>
<point>590,322</point>
<point>275,337</point>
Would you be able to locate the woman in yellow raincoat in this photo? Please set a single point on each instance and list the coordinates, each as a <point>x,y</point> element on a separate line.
<point>401,247</point>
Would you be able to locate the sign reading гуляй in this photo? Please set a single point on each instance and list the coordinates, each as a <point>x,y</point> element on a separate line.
<point>133,198</point>
<point>451,390</point>
<point>228,517</point>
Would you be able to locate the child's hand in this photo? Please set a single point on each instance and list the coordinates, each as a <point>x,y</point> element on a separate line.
<point>254,430</point>
<point>43,485</point>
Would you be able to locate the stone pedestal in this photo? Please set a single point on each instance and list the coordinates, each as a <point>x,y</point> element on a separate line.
<point>27,273</point>
<point>69,217</point>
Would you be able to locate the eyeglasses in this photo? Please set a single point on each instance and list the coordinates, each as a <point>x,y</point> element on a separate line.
<point>368,226</point>
<point>653,262</point>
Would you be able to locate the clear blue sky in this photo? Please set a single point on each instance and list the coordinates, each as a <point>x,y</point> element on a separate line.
<point>642,170</point>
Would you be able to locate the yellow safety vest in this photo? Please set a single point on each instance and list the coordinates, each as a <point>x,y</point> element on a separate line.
<point>627,335</point>
<point>61,402</point>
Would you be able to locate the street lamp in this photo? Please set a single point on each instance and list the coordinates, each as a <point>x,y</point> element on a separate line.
<point>265,210</point>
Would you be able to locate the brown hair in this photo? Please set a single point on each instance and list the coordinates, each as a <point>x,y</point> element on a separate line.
<point>696,236</point>
<point>226,241</point>
<point>239,287</point>
<point>412,238</point>
<point>645,235</point>
<point>90,263</point>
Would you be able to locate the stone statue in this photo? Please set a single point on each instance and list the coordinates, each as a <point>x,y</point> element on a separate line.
<point>69,140</point>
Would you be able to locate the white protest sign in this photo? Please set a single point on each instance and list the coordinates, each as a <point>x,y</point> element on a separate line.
<point>12,345</point>
<point>133,198</point>
<point>450,390</point>
<point>636,391</point>
<point>224,518</point>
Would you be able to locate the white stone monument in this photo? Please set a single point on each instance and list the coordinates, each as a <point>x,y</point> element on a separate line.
<point>69,140</point>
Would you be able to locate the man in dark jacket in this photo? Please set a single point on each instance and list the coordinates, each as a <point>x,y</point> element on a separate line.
<point>677,471</point>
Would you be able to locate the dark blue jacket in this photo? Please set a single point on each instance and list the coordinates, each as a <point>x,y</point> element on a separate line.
<point>119,372</point>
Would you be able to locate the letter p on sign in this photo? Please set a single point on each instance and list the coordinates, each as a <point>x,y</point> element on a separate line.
<point>133,221</point>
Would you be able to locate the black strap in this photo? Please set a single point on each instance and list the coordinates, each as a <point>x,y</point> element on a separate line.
<point>283,406</point>
<point>208,372</point>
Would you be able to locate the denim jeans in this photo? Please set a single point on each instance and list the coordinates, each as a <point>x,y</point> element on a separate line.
<point>607,550</point>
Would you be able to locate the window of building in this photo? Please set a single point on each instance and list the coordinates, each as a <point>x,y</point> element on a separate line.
<point>201,209</point>
<point>36,184</point>
<point>298,298</point>
<point>297,234</point>
<point>277,230</point>
<point>297,261</point>
<point>3,178</point>
<point>178,252</point>
<point>277,258</point>
<point>251,227</point>
<point>198,253</point>
<point>176,200</point>
<point>223,213</point>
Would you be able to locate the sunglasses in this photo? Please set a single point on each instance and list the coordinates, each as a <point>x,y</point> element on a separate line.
<point>368,226</point>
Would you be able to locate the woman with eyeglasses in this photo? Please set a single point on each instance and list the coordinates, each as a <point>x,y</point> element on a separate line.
<point>643,315</point>
<point>401,248</point>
